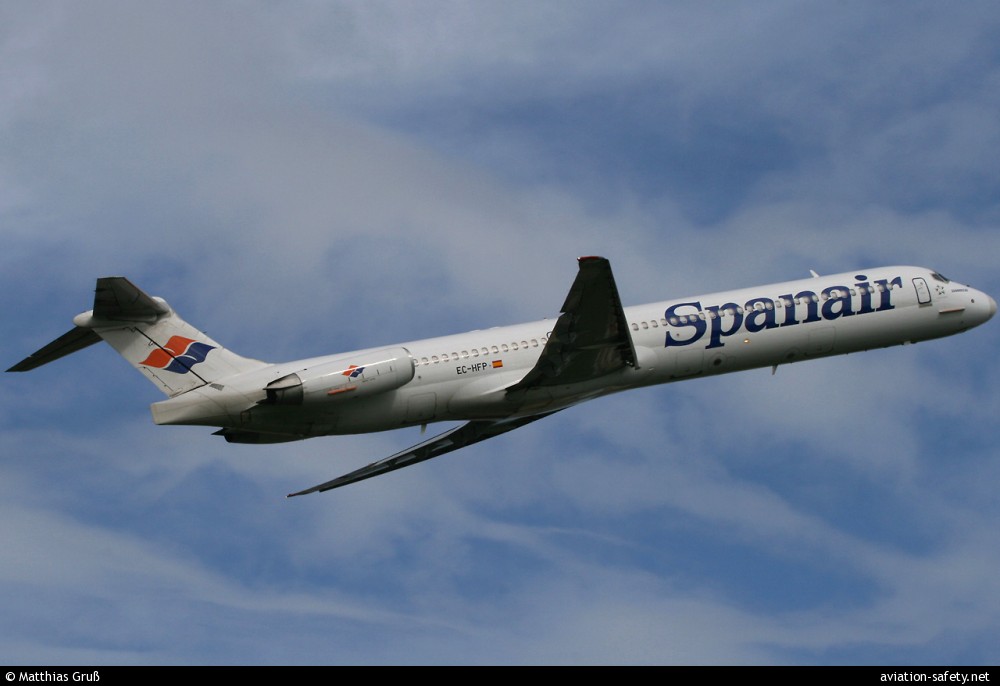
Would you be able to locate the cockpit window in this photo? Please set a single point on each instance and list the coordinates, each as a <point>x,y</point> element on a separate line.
<point>940,278</point>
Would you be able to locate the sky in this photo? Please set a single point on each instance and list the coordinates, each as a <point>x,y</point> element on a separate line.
<point>304,178</point>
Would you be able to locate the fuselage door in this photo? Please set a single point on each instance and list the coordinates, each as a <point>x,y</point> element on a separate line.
<point>923,292</point>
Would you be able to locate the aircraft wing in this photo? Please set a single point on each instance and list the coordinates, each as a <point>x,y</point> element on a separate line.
<point>590,338</point>
<point>459,437</point>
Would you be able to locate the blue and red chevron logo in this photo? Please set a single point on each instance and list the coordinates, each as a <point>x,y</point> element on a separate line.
<point>178,355</point>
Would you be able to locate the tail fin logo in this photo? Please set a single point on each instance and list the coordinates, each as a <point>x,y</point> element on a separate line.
<point>178,355</point>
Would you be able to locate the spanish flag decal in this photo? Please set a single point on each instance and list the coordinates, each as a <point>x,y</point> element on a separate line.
<point>497,364</point>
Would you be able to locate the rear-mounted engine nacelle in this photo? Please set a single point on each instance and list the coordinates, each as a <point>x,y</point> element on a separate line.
<point>340,379</point>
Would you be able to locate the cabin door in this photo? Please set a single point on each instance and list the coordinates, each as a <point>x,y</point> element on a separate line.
<point>923,292</point>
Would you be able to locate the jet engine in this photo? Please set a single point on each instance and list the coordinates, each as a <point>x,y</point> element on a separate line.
<point>344,378</point>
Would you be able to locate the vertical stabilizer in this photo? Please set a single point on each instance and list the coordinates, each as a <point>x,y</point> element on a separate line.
<point>144,330</point>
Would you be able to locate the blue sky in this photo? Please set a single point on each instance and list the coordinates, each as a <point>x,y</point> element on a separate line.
<point>305,178</point>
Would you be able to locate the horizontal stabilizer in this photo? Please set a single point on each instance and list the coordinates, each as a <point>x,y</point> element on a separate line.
<point>71,341</point>
<point>118,299</point>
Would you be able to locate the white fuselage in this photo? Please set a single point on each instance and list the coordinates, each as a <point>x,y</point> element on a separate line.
<point>466,376</point>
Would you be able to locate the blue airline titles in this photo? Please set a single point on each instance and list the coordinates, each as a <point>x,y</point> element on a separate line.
<point>758,314</point>
<point>499,379</point>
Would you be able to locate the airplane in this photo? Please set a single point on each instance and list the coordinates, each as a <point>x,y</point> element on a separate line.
<point>499,379</point>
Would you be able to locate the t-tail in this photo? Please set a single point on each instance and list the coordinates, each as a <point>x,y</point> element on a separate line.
<point>144,330</point>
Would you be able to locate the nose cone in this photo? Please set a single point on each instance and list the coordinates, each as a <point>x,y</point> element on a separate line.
<point>979,307</point>
<point>983,307</point>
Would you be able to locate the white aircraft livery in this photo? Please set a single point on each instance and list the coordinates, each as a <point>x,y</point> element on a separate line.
<point>499,379</point>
